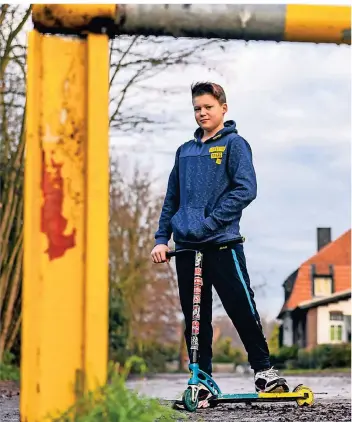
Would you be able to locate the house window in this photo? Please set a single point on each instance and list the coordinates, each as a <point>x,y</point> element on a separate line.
<point>336,332</point>
<point>336,316</point>
<point>322,286</point>
<point>336,326</point>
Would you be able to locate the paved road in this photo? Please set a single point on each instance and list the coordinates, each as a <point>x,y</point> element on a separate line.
<point>333,406</point>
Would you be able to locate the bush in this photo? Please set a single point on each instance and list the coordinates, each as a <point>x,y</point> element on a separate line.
<point>321,357</point>
<point>331,356</point>
<point>8,370</point>
<point>156,355</point>
<point>285,356</point>
<point>305,359</point>
<point>114,402</point>
<point>224,352</point>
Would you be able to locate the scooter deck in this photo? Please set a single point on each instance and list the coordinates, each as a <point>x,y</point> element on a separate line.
<point>257,397</point>
<point>301,394</point>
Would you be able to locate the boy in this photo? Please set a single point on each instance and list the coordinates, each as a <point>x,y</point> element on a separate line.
<point>212,181</point>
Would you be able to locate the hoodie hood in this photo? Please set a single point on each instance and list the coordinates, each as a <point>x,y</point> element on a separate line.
<point>229,127</point>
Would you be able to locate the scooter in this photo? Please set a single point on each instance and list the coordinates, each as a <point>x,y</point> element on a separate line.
<point>302,395</point>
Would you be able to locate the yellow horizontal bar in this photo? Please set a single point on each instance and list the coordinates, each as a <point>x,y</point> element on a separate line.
<point>297,395</point>
<point>71,15</point>
<point>319,24</point>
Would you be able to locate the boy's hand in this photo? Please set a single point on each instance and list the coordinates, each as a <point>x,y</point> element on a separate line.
<point>159,254</point>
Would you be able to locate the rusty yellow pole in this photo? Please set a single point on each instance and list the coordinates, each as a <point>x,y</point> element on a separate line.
<point>268,22</point>
<point>65,288</point>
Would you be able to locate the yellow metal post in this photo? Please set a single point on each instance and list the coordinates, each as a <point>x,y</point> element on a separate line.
<point>65,289</point>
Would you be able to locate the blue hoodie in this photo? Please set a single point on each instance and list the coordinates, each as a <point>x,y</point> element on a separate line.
<point>209,186</point>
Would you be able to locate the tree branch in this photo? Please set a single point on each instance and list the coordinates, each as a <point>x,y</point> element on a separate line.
<point>118,66</point>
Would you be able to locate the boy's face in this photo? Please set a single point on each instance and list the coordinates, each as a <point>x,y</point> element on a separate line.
<point>208,112</point>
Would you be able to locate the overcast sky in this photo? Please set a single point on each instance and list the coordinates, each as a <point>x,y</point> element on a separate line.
<point>292,102</point>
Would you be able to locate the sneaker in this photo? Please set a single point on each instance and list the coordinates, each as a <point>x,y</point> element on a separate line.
<point>269,381</point>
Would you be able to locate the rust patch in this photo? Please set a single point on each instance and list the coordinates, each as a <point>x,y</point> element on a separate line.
<point>53,223</point>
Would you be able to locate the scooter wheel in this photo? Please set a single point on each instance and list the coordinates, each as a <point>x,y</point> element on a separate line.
<point>308,400</point>
<point>189,404</point>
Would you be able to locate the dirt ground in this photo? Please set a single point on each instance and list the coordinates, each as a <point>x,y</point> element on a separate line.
<point>322,411</point>
<point>333,399</point>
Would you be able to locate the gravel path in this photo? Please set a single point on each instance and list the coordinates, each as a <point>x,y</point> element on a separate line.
<point>333,406</point>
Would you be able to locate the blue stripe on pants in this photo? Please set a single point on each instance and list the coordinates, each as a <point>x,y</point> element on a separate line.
<point>239,272</point>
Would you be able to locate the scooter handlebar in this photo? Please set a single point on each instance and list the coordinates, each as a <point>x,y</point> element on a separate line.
<point>170,254</point>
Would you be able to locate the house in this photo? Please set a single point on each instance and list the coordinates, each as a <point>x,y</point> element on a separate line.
<point>317,304</point>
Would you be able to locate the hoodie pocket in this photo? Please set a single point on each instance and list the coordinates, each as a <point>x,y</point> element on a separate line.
<point>188,224</point>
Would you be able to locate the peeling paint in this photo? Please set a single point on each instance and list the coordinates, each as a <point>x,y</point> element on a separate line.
<point>49,137</point>
<point>245,15</point>
<point>63,116</point>
<point>53,223</point>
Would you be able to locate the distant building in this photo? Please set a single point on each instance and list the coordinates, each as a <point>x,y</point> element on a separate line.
<point>317,307</point>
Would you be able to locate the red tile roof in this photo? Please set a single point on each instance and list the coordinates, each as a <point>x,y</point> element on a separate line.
<point>337,253</point>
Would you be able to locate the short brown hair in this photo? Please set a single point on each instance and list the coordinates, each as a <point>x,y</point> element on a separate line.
<point>201,88</point>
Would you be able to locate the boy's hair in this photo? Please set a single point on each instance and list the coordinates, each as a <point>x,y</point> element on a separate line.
<point>201,88</point>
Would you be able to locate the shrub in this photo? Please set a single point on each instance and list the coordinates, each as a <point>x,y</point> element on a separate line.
<point>224,352</point>
<point>8,370</point>
<point>286,354</point>
<point>156,355</point>
<point>321,357</point>
<point>114,402</point>
<point>332,355</point>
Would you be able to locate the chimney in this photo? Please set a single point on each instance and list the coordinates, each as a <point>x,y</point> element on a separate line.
<point>323,236</point>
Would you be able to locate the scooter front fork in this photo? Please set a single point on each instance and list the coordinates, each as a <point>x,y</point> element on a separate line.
<point>200,377</point>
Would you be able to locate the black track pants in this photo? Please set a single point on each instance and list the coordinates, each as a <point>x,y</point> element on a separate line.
<point>226,270</point>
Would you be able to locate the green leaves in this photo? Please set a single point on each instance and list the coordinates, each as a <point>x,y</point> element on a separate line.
<point>115,402</point>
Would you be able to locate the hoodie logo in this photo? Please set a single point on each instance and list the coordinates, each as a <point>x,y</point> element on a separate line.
<point>216,153</point>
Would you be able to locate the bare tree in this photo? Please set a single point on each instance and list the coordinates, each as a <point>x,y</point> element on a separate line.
<point>12,114</point>
<point>134,63</point>
<point>149,290</point>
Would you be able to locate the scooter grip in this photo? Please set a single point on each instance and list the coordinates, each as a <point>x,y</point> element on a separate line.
<point>170,254</point>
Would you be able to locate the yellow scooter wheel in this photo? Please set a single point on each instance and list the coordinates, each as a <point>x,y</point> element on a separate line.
<point>306,401</point>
